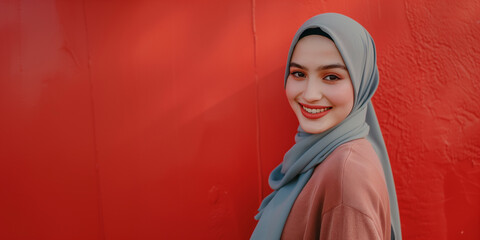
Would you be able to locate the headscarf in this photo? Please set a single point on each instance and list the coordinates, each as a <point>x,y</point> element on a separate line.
<point>357,49</point>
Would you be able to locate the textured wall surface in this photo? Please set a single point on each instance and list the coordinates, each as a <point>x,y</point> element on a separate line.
<point>163,119</point>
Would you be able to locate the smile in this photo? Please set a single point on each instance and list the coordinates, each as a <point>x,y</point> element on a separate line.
<point>314,112</point>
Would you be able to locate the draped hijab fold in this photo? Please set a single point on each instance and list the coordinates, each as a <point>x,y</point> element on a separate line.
<point>357,49</point>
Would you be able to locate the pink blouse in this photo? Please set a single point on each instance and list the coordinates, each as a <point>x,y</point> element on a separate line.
<point>346,198</point>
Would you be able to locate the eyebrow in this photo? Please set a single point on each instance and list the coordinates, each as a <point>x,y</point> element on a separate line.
<point>324,67</point>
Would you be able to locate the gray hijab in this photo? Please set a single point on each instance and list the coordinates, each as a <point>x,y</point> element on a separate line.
<point>288,179</point>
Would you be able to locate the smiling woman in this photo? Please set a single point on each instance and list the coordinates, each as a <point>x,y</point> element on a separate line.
<point>319,88</point>
<point>336,181</point>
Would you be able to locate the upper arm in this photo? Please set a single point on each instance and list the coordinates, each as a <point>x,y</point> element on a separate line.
<point>344,222</point>
<point>364,211</point>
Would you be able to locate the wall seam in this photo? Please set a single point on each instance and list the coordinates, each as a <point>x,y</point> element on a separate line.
<point>20,47</point>
<point>257,105</point>
<point>95,145</point>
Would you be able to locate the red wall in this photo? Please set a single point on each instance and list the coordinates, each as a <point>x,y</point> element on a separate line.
<point>162,120</point>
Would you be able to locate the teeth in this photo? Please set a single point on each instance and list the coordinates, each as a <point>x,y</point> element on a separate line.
<point>316,110</point>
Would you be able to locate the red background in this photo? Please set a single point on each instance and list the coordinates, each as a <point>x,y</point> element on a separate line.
<point>162,119</point>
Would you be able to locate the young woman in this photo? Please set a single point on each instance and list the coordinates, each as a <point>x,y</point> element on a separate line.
<point>336,181</point>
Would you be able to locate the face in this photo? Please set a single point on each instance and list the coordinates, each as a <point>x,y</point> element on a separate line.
<point>319,88</point>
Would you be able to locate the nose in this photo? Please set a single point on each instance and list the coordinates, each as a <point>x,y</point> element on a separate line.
<point>312,91</point>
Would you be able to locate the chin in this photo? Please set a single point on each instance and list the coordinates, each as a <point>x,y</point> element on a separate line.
<point>312,129</point>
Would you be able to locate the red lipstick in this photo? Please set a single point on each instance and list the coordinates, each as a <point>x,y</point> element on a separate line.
<point>318,111</point>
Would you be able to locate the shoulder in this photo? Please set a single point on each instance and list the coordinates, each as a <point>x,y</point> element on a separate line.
<point>362,190</point>
<point>356,156</point>
<point>362,176</point>
<point>352,175</point>
<point>358,151</point>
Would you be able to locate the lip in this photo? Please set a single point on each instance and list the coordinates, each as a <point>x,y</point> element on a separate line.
<point>314,115</point>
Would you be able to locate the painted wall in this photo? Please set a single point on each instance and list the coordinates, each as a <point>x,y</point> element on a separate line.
<point>162,120</point>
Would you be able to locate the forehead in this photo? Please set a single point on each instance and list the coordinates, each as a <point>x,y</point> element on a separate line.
<point>316,48</point>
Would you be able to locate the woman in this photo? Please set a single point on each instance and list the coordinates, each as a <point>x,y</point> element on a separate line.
<point>336,181</point>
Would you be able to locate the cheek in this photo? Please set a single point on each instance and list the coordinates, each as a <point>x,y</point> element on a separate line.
<point>341,95</point>
<point>292,90</point>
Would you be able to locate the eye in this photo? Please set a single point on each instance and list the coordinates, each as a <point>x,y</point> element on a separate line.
<point>297,74</point>
<point>331,77</point>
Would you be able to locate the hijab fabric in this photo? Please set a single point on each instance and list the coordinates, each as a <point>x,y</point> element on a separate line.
<point>357,49</point>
